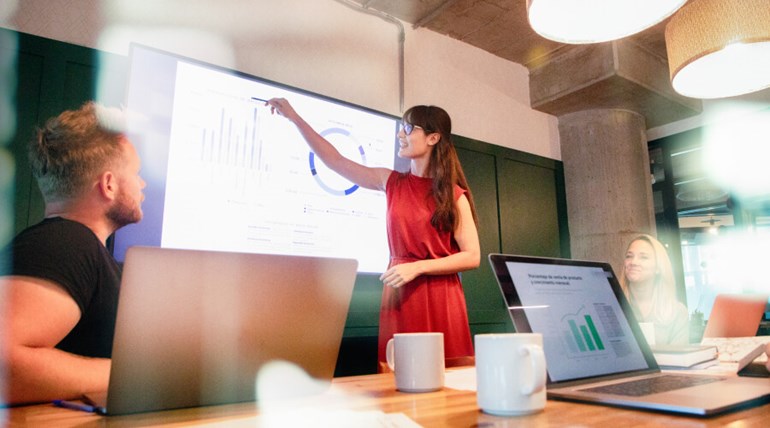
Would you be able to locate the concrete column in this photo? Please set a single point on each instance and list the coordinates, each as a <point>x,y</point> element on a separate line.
<point>607,175</point>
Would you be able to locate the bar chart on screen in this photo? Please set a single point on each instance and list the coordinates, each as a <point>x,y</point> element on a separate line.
<point>231,143</point>
<point>265,190</point>
<point>580,333</point>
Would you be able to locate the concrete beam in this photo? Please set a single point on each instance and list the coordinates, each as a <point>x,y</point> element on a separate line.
<point>618,75</point>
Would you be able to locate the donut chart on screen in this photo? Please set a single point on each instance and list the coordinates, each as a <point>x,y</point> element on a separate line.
<point>314,171</point>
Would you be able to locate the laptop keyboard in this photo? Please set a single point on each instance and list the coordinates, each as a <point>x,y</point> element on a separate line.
<point>653,385</point>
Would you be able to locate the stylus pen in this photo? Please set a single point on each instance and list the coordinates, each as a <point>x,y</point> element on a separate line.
<point>258,99</point>
<point>74,406</point>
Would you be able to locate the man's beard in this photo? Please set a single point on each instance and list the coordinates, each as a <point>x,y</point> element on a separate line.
<point>124,211</point>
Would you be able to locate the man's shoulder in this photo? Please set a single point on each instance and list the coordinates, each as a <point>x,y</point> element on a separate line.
<point>57,223</point>
<point>50,243</point>
<point>57,230</point>
<point>66,253</point>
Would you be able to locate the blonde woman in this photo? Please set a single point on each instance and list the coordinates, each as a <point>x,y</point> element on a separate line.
<point>647,280</point>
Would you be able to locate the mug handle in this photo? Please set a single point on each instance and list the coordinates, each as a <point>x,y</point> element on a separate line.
<point>538,368</point>
<point>389,355</point>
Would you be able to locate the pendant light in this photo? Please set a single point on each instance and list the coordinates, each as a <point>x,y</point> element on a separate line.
<point>719,48</point>
<point>594,21</point>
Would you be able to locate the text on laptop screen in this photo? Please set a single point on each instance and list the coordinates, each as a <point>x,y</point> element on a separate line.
<point>584,330</point>
<point>225,174</point>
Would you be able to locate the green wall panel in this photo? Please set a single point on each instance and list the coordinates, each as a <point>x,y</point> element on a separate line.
<point>529,219</point>
<point>27,100</point>
<point>484,301</point>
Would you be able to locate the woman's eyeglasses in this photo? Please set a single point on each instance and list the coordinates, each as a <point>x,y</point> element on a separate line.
<point>408,127</point>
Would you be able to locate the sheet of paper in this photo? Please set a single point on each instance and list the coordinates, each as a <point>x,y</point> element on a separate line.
<point>462,379</point>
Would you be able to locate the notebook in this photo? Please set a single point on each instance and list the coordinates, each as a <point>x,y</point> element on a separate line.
<point>595,351</point>
<point>736,315</point>
<point>194,327</point>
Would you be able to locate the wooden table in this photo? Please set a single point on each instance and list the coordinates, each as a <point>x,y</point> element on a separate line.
<point>351,396</point>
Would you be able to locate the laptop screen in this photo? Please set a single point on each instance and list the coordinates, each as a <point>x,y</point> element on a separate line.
<point>579,309</point>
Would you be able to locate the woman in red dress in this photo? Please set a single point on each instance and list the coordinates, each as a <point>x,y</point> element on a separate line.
<point>431,226</point>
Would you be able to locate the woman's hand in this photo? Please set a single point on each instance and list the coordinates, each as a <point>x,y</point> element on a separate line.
<point>368,177</point>
<point>283,108</point>
<point>399,275</point>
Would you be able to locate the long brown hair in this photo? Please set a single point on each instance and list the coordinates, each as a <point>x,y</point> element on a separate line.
<point>444,166</point>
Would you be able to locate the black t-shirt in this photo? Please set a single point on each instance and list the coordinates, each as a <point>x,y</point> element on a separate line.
<point>71,255</point>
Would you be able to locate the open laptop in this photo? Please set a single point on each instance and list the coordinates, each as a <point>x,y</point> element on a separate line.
<point>736,315</point>
<point>194,327</point>
<point>595,351</point>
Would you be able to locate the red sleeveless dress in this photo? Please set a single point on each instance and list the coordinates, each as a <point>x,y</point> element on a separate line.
<point>430,303</point>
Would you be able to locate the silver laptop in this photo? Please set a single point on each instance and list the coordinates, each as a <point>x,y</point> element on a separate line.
<point>595,351</point>
<point>194,327</point>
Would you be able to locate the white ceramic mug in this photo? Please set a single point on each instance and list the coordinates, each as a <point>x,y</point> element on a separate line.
<point>417,360</point>
<point>510,373</point>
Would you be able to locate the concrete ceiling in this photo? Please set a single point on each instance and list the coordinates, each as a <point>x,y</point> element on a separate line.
<point>496,26</point>
<point>631,73</point>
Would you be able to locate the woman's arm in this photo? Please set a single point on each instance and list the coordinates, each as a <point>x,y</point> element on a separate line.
<point>467,258</point>
<point>370,178</point>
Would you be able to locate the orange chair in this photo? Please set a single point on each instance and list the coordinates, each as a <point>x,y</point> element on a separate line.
<point>736,315</point>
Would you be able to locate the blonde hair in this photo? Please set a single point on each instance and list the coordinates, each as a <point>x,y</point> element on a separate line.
<point>664,286</point>
<point>73,148</point>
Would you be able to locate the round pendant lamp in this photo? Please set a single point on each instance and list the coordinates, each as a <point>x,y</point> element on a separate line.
<point>594,21</point>
<point>719,48</point>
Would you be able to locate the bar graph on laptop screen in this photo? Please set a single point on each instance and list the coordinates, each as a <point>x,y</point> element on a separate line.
<point>584,330</point>
<point>580,333</point>
<point>225,174</point>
